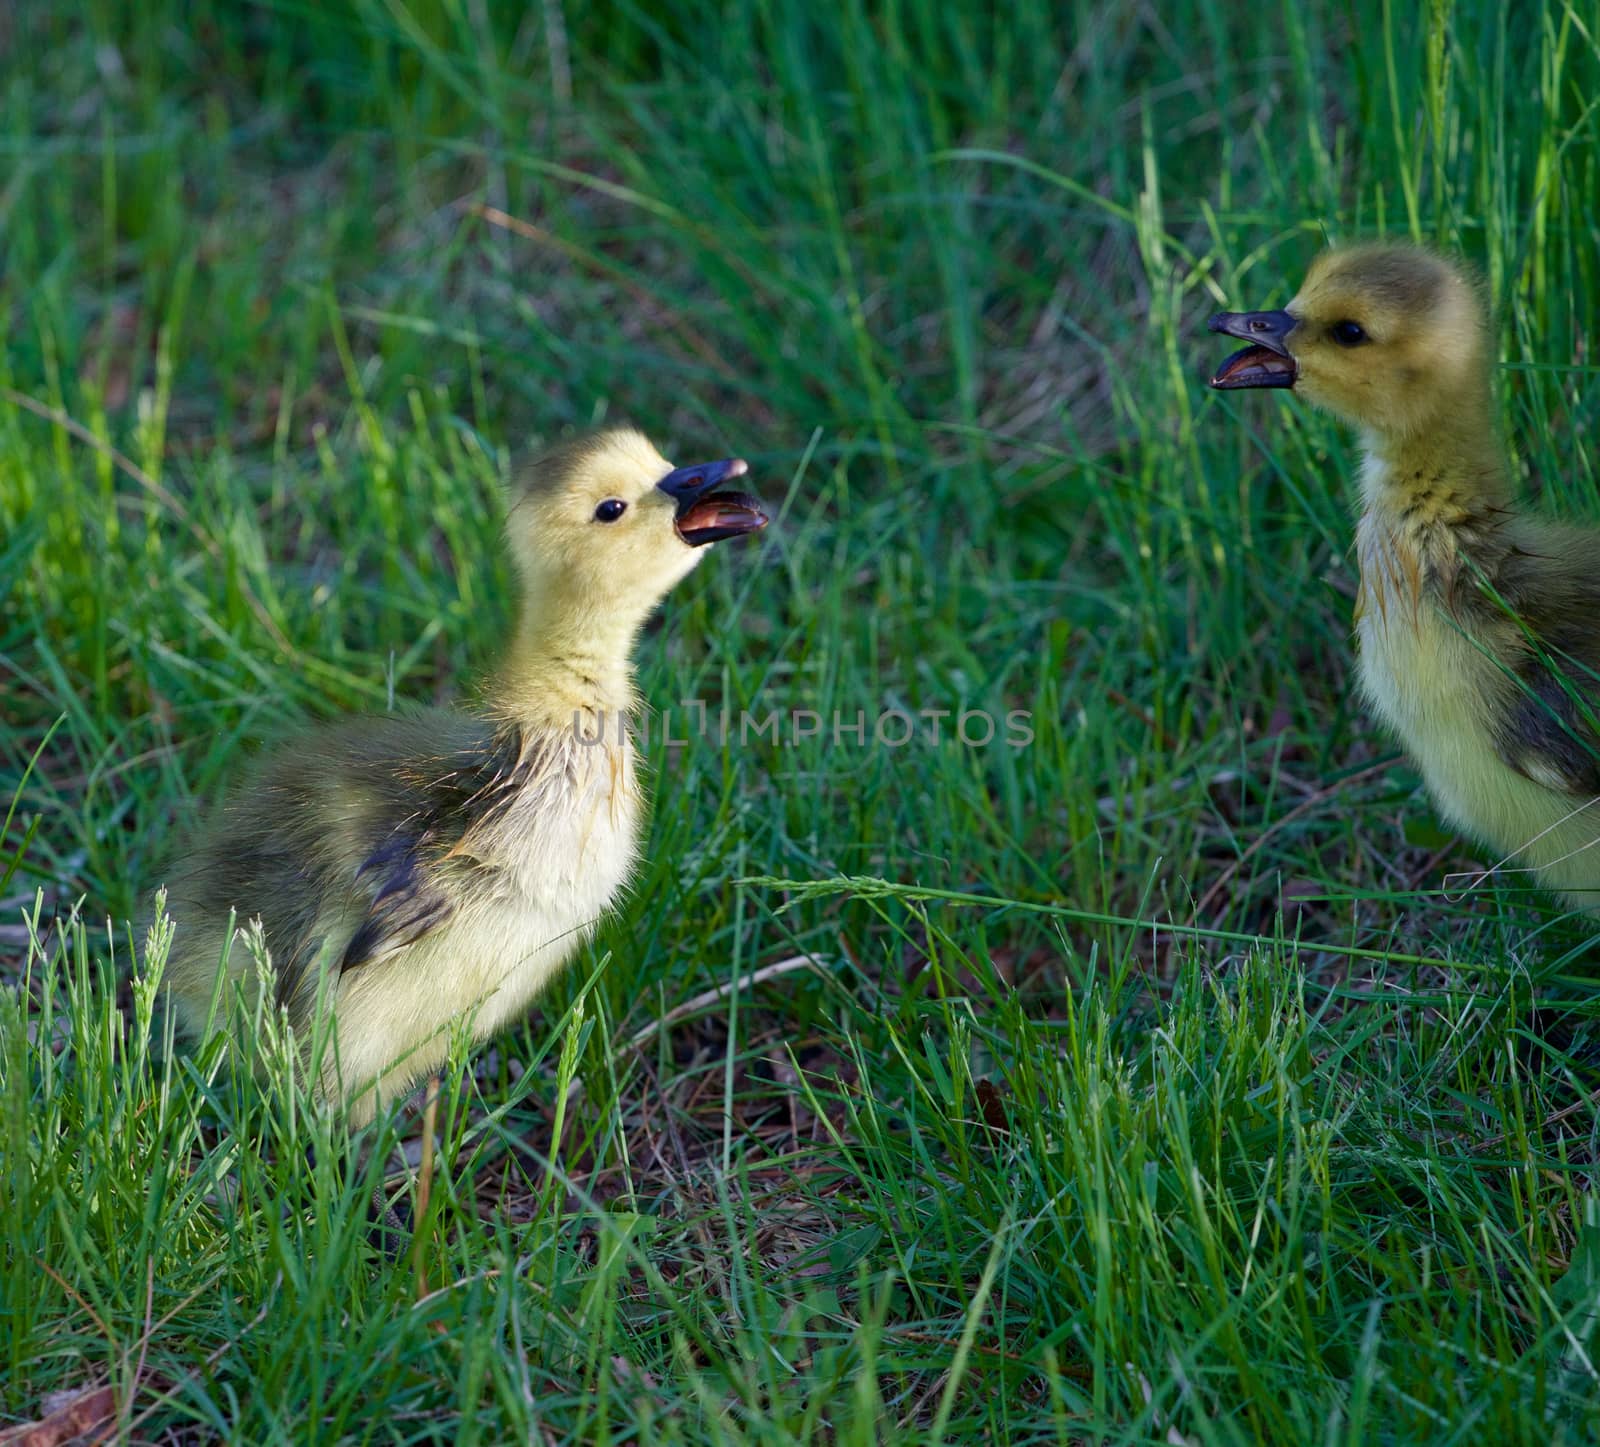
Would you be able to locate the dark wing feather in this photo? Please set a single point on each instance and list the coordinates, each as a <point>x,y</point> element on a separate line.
<point>1545,734</point>
<point>407,900</point>
<point>1542,598</point>
<point>415,876</point>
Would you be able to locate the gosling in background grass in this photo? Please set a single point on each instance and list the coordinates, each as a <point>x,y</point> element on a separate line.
<point>412,871</point>
<point>1478,622</point>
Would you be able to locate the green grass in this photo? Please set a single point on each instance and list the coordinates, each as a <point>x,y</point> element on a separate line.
<point>1144,1084</point>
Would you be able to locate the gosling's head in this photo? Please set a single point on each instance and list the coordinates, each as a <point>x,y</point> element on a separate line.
<point>605,522</point>
<point>1388,337</point>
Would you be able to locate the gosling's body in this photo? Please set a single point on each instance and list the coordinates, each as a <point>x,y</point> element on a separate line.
<point>426,873</point>
<point>420,874</point>
<point>1449,672</point>
<point>1478,623</point>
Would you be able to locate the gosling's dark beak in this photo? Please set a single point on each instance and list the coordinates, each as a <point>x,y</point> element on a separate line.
<point>1267,362</point>
<point>706,515</point>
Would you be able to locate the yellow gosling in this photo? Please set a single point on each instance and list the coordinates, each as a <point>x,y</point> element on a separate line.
<point>1478,622</point>
<point>420,873</point>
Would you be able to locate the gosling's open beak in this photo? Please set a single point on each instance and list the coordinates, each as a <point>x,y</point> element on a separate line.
<point>1267,362</point>
<point>706,515</point>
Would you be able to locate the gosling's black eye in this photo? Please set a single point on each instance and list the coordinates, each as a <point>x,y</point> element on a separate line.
<point>610,510</point>
<point>1348,334</point>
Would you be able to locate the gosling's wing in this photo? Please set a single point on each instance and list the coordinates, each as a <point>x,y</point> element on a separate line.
<point>1545,607</point>
<point>1546,733</point>
<point>406,899</point>
<point>433,805</point>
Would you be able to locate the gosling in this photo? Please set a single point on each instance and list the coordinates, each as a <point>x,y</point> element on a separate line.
<point>1478,623</point>
<point>421,872</point>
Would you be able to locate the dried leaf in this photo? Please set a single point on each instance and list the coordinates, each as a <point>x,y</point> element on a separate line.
<point>991,1105</point>
<point>69,1417</point>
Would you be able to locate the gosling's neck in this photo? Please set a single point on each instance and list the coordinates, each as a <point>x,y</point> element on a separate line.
<point>569,666</point>
<point>1446,476</point>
